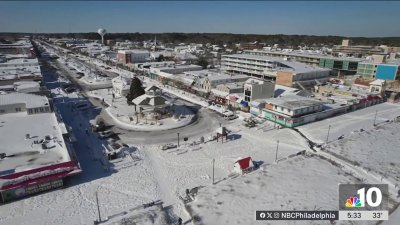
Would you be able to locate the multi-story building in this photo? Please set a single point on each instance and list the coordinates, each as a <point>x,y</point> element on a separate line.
<point>286,72</point>
<point>258,89</point>
<point>36,155</point>
<point>291,110</point>
<point>372,70</point>
<point>132,56</point>
<point>338,65</point>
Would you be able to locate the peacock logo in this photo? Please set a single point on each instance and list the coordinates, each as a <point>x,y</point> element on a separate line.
<point>353,202</point>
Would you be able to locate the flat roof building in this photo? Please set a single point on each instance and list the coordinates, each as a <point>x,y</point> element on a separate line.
<point>34,155</point>
<point>339,65</point>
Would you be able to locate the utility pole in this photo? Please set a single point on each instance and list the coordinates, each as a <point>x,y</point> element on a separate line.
<point>276,154</point>
<point>213,162</point>
<point>376,113</point>
<point>178,139</point>
<point>327,136</point>
<point>98,206</point>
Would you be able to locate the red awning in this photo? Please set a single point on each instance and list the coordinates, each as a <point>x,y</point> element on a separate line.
<point>244,163</point>
<point>232,98</point>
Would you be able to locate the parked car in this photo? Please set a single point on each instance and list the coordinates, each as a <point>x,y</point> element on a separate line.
<point>105,134</point>
<point>231,117</point>
<point>81,105</point>
<point>168,146</point>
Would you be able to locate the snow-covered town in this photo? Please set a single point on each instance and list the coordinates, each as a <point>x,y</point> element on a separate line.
<point>97,128</point>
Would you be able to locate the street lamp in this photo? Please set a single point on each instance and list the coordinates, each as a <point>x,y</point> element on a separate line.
<point>376,113</point>
<point>327,136</point>
<point>276,154</point>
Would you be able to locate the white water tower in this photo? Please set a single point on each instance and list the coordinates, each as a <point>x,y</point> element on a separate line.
<point>102,32</point>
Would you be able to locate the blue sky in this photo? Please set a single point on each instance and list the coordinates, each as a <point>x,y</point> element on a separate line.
<point>370,19</point>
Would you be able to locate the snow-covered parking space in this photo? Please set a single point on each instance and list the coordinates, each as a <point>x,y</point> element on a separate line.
<point>347,123</point>
<point>296,184</point>
<point>376,150</point>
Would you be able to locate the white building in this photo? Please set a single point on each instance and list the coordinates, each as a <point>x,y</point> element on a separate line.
<point>258,89</point>
<point>213,80</point>
<point>20,102</point>
<point>293,105</point>
<point>132,56</point>
<point>26,86</point>
<point>39,157</point>
<point>267,67</point>
<point>120,86</point>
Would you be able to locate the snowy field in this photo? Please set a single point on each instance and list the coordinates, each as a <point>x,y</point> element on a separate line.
<point>376,150</point>
<point>347,123</point>
<point>296,184</point>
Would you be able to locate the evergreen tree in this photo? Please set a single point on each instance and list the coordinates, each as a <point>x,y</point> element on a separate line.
<point>135,90</point>
<point>202,62</point>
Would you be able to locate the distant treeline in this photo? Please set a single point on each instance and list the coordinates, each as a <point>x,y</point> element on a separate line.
<point>230,39</point>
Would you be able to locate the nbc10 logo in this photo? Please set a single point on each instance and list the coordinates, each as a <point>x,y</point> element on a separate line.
<point>363,197</point>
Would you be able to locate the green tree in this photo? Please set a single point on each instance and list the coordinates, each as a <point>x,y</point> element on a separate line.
<point>135,90</point>
<point>202,62</point>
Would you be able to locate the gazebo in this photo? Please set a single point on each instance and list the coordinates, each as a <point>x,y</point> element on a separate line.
<point>152,102</point>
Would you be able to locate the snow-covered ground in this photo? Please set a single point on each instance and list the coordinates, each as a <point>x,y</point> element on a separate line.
<point>350,122</point>
<point>376,150</point>
<point>150,174</point>
<point>299,183</point>
<point>90,78</point>
<point>76,204</point>
<point>121,113</point>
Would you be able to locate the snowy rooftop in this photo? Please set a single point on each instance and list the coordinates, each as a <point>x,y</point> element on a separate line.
<point>293,102</point>
<point>21,61</point>
<point>178,67</point>
<point>134,51</point>
<point>222,76</point>
<point>32,101</point>
<point>305,54</point>
<point>25,84</point>
<point>297,67</point>
<point>25,154</point>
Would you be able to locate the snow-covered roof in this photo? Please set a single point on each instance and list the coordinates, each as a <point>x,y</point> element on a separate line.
<point>21,61</point>
<point>148,100</point>
<point>304,54</point>
<point>377,82</point>
<point>219,93</point>
<point>26,154</point>
<point>134,51</point>
<point>297,67</point>
<point>31,101</point>
<point>293,102</point>
<point>24,85</point>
